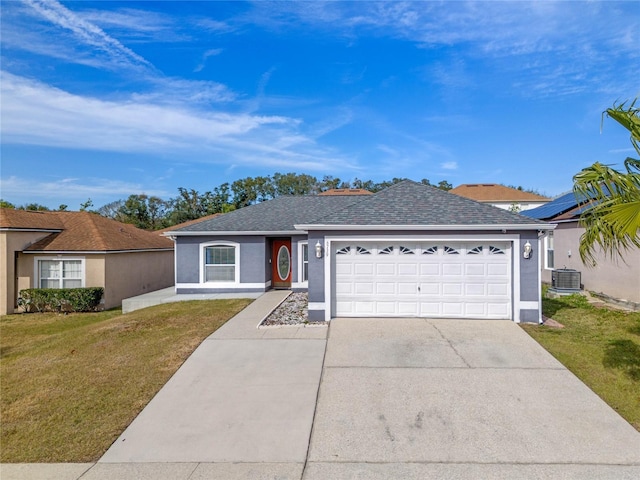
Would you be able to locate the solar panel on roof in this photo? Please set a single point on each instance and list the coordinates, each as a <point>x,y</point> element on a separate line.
<point>556,207</point>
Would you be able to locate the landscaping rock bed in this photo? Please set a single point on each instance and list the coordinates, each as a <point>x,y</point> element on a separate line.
<point>293,311</point>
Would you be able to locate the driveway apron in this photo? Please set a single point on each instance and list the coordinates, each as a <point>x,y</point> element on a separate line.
<point>418,398</point>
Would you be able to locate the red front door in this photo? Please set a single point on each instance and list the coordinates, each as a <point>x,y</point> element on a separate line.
<point>281,264</point>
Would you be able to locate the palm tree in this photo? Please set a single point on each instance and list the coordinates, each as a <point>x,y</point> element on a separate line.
<point>612,215</point>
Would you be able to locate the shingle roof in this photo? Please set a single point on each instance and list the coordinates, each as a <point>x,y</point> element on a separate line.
<point>26,219</point>
<point>412,203</point>
<point>82,231</point>
<point>189,222</point>
<point>347,191</point>
<point>405,203</point>
<point>492,192</point>
<point>277,215</point>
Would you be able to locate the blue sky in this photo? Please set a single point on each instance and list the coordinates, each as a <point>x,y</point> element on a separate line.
<point>105,99</point>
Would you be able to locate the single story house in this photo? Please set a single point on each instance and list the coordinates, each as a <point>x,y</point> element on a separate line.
<point>500,196</point>
<point>618,279</point>
<point>79,249</point>
<point>410,250</point>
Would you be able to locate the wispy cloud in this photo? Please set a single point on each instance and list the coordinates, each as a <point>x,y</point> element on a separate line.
<point>87,33</point>
<point>38,114</point>
<point>209,53</point>
<point>77,188</point>
<point>449,165</point>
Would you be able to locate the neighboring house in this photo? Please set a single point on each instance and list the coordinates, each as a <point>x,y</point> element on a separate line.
<point>410,250</point>
<point>500,196</point>
<point>615,278</point>
<point>79,249</point>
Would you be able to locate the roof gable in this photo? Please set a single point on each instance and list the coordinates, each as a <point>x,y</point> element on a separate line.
<point>492,192</point>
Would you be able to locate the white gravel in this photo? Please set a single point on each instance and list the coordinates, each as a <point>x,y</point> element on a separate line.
<point>293,311</point>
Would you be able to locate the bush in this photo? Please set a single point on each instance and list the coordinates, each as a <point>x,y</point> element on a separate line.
<point>60,299</point>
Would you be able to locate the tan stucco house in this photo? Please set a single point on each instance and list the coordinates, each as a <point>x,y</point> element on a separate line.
<point>79,249</point>
<point>615,278</point>
<point>500,196</point>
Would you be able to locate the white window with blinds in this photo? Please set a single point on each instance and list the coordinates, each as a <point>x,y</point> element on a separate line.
<point>220,263</point>
<point>60,273</point>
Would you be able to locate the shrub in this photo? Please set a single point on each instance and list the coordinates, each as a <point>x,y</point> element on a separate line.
<point>60,299</point>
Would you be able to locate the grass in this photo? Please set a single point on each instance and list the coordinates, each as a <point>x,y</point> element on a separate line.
<point>601,346</point>
<point>70,384</point>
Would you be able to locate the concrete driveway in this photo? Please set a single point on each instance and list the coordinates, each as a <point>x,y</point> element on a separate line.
<point>417,398</point>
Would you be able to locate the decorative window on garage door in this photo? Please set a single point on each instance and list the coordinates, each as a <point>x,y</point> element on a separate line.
<point>344,251</point>
<point>430,250</point>
<point>362,251</point>
<point>475,250</point>
<point>406,251</point>
<point>495,251</point>
<point>450,251</point>
<point>386,251</point>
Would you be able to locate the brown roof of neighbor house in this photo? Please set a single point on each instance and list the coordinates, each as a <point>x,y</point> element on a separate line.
<point>82,231</point>
<point>189,222</point>
<point>346,191</point>
<point>492,192</point>
<point>26,219</point>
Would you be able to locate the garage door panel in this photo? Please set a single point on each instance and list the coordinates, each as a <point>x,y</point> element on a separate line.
<point>385,288</point>
<point>453,309</point>
<point>363,269</point>
<point>429,269</point>
<point>497,269</point>
<point>407,288</point>
<point>475,310</point>
<point>430,288</point>
<point>473,269</point>
<point>386,308</point>
<point>452,280</point>
<point>451,289</point>
<point>364,288</point>
<point>451,270</point>
<point>475,289</point>
<point>385,269</point>
<point>498,289</point>
<point>408,308</point>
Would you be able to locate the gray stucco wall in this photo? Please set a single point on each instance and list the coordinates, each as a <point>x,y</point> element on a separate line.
<point>253,267</point>
<point>529,271</point>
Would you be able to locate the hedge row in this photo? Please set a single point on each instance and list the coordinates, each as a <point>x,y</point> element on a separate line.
<point>60,299</point>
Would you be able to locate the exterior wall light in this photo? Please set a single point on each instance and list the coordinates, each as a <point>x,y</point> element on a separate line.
<point>318,250</point>
<point>526,253</point>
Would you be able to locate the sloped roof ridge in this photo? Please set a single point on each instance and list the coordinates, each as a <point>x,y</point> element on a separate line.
<point>439,207</point>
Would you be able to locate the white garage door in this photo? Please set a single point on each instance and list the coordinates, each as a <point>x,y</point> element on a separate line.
<point>426,279</point>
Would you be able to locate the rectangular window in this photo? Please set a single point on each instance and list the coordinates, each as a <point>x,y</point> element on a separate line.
<point>549,258</point>
<point>220,264</point>
<point>60,273</point>
<point>305,262</point>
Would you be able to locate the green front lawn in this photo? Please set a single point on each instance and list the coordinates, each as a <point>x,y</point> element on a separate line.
<point>70,384</point>
<point>601,346</point>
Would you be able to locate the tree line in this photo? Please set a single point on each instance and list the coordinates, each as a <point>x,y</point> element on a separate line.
<point>153,213</point>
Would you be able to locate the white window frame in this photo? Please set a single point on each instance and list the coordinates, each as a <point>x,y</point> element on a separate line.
<point>36,269</point>
<point>220,243</point>
<point>547,237</point>
<point>302,282</point>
